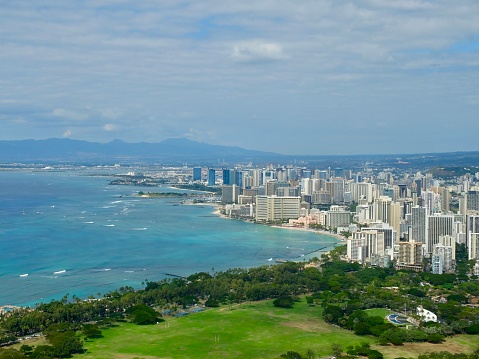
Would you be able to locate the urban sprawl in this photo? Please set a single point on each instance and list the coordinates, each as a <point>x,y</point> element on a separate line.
<point>411,220</point>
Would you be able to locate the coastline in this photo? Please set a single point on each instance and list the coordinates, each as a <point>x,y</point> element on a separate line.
<point>339,237</point>
<point>320,231</point>
<point>112,217</point>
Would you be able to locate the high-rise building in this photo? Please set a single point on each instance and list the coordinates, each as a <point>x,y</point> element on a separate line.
<point>268,175</point>
<point>362,214</point>
<point>473,200</point>
<point>403,191</point>
<point>442,259</point>
<point>418,224</point>
<point>364,244</point>
<point>228,177</point>
<point>323,175</point>
<point>432,201</point>
<point>321,197</point>
<point>274,208</point>
<point>472,236</point>
<point>438,225</point>
<point>288,191</point>
<point>410,256</point>
<point>362,190</point>
<point>387,211</point>
<point>389,192</point>
<point>390,234</point>
<point>211,177</point>
<point>197,174</point>
<point>270,187</point>
<point>253,192</point>
<point>449,241</point>
<point>356,250</point>
<point>406,207</point>
<point>306,186</point>
<point>229,194</point>
<point>336,188</point>
<point>339,172</point>
<point>239,179</point>
<point>256,174</point>
<point>338,216</point>
<point>445,199</point>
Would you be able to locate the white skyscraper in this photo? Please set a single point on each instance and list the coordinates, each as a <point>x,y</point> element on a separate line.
<point>387,211</point>
<point>472,236</point>
<point>442,259</point>
<point>438,225</point>
<point>418,224</point>
<point>364,244</point>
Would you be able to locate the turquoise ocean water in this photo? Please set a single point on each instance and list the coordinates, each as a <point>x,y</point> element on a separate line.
<point>65,232</point>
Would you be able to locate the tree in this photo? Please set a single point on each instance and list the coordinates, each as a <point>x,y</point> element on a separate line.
<point>394,336</point>
<point>63,345</point>
<point>43,351</point>
<point>212,303</point>
<point>143,318</point>
<point>435,338</point>
<point>336,349</point>
<point>375,354</point>
<point>285,301</point>
<point>91,331</point>
<point>292,355</point>
<point>473,329</point>
<point>142,314</point>
<point>26,349</point>
<point>332,313</point>
<point>310,354</point>
<point>362,328</point>
<point>11,354</point>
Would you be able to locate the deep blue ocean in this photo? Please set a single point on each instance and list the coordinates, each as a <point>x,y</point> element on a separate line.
<point>68,232</point>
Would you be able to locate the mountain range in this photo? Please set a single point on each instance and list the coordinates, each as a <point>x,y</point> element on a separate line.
<point>180,151</point>
<point>171,150</point>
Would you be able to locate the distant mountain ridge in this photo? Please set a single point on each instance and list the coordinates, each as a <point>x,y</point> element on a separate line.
<point>174,149</point>
<point>178,151</point>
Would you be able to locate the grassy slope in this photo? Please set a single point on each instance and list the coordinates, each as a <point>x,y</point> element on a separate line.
<point>256,330</point>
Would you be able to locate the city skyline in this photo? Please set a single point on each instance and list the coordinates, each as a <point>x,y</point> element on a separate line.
<point>318,78</point>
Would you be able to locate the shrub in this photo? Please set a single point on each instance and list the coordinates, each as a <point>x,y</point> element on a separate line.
<point>284,302</point>
<point>473,329</point>
<point>212,303</point>
<point>435,338</point>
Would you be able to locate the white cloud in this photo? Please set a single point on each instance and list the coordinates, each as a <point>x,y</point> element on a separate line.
<point>110,127</point>
<point>147,70</point>
<point>67,134</point>
<point>256,50</point>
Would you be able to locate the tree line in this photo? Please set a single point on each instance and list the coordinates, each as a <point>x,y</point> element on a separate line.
<point>345,291</point>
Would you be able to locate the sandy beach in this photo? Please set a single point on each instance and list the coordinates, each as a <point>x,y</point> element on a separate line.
<point>218,212</point>
<point>321,231</point>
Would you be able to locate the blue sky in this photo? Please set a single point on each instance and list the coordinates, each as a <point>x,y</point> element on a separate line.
<point>310,77</point>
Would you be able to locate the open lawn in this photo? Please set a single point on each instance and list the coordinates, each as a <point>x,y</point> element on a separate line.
<point>380,312</point>
<point>254,330</point>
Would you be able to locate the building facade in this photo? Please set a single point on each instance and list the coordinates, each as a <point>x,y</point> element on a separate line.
<point>274,208</point>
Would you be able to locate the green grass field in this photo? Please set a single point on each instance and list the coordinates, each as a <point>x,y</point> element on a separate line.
<point>380,312</point>
<point>255,330</point>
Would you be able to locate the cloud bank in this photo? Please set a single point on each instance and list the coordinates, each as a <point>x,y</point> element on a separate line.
<point>316,77</point>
